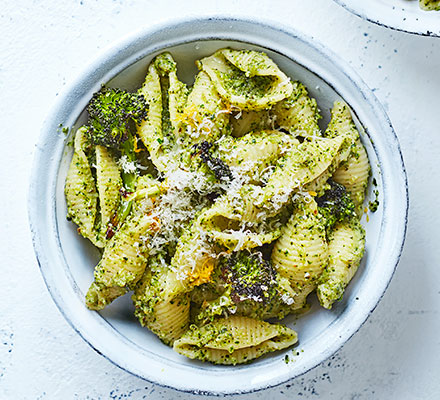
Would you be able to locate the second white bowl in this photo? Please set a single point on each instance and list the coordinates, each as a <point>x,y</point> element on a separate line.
<point>401,15</point>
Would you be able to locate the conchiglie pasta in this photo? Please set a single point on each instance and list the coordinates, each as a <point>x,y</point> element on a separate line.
<point>147,190</point>
<point>168,319</point>
<point>192,263</point>
<point>234,340</point>
<point>341,122</point>
<point>205,114</point>
<point>108,182</point>
<point>301,293</point>
<point>123,261</point>
<point>99,296</point>
<point>247,79</point>
<point>354,170</point>
<point>300,254</point>
<point>236,223</point>
<point>243,238</point>
<point>298,113</point>
<point>80,190</point>
<point>250,121</point>
<point>174,95</point>
<point>346,248</point>
<point>150,130</point>
<point>299,167</point>
<point>341,125</point>
<point>254,154</point>
<point>354,174</point>
<point>318,184</point>
<point>165,96</point>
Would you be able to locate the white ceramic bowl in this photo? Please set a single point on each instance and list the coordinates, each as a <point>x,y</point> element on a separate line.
<point>66,260</point>
<point>402,15</point>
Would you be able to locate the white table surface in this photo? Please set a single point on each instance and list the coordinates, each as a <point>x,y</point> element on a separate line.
<point>45,43</point>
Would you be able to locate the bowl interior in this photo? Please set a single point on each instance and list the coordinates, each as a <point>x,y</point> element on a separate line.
<point>67,260</point>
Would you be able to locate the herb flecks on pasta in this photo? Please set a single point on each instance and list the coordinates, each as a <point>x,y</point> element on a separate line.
<point>80,190</point>
<point>247,79</point>
<point>234,340</point>
<point>168,319</point>
<point>166,97</point>
<point>301,252</point>
<point>298,113</point>
<point>220,205</point>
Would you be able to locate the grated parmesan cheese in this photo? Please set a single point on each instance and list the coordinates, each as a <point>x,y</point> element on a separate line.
<point>287,299</point>
<point>127,166</point>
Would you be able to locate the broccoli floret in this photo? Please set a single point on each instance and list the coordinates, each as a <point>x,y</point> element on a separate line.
<point>250,277</point>
<point>113,115</point>
<point>216,165</point>
<point>335,205</point>
<point>248,285</point>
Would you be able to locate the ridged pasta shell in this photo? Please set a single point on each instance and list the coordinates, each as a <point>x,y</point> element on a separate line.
<point>234,340</point>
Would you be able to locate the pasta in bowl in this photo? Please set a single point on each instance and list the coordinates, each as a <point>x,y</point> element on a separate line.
<point>201,237</point>
<point>232,226</point>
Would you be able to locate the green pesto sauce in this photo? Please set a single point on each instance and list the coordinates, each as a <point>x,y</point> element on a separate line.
<point>167,128</point>
<point>241,85</point>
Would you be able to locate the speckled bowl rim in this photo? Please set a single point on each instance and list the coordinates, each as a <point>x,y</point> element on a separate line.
<point>411,24</point>
<point>231,28</point>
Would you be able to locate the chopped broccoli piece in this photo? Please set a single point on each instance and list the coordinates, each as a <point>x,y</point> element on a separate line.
<point>216,165</point>
<point>250,276</point>
<point>248,285</point>
<point>335,205</point>
<point>113,114</point>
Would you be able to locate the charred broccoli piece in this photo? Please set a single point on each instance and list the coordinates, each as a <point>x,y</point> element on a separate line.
<point>247,285</point>
<point>216,165</point>
<point>113,115</point>
<point>250,277</point>
<point>335,205</point>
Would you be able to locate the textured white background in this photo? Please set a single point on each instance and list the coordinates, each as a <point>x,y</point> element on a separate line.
<point>395,355</point>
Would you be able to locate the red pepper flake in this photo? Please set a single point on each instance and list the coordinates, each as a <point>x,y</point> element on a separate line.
<point>110,232</point>
<point>125,193</point>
